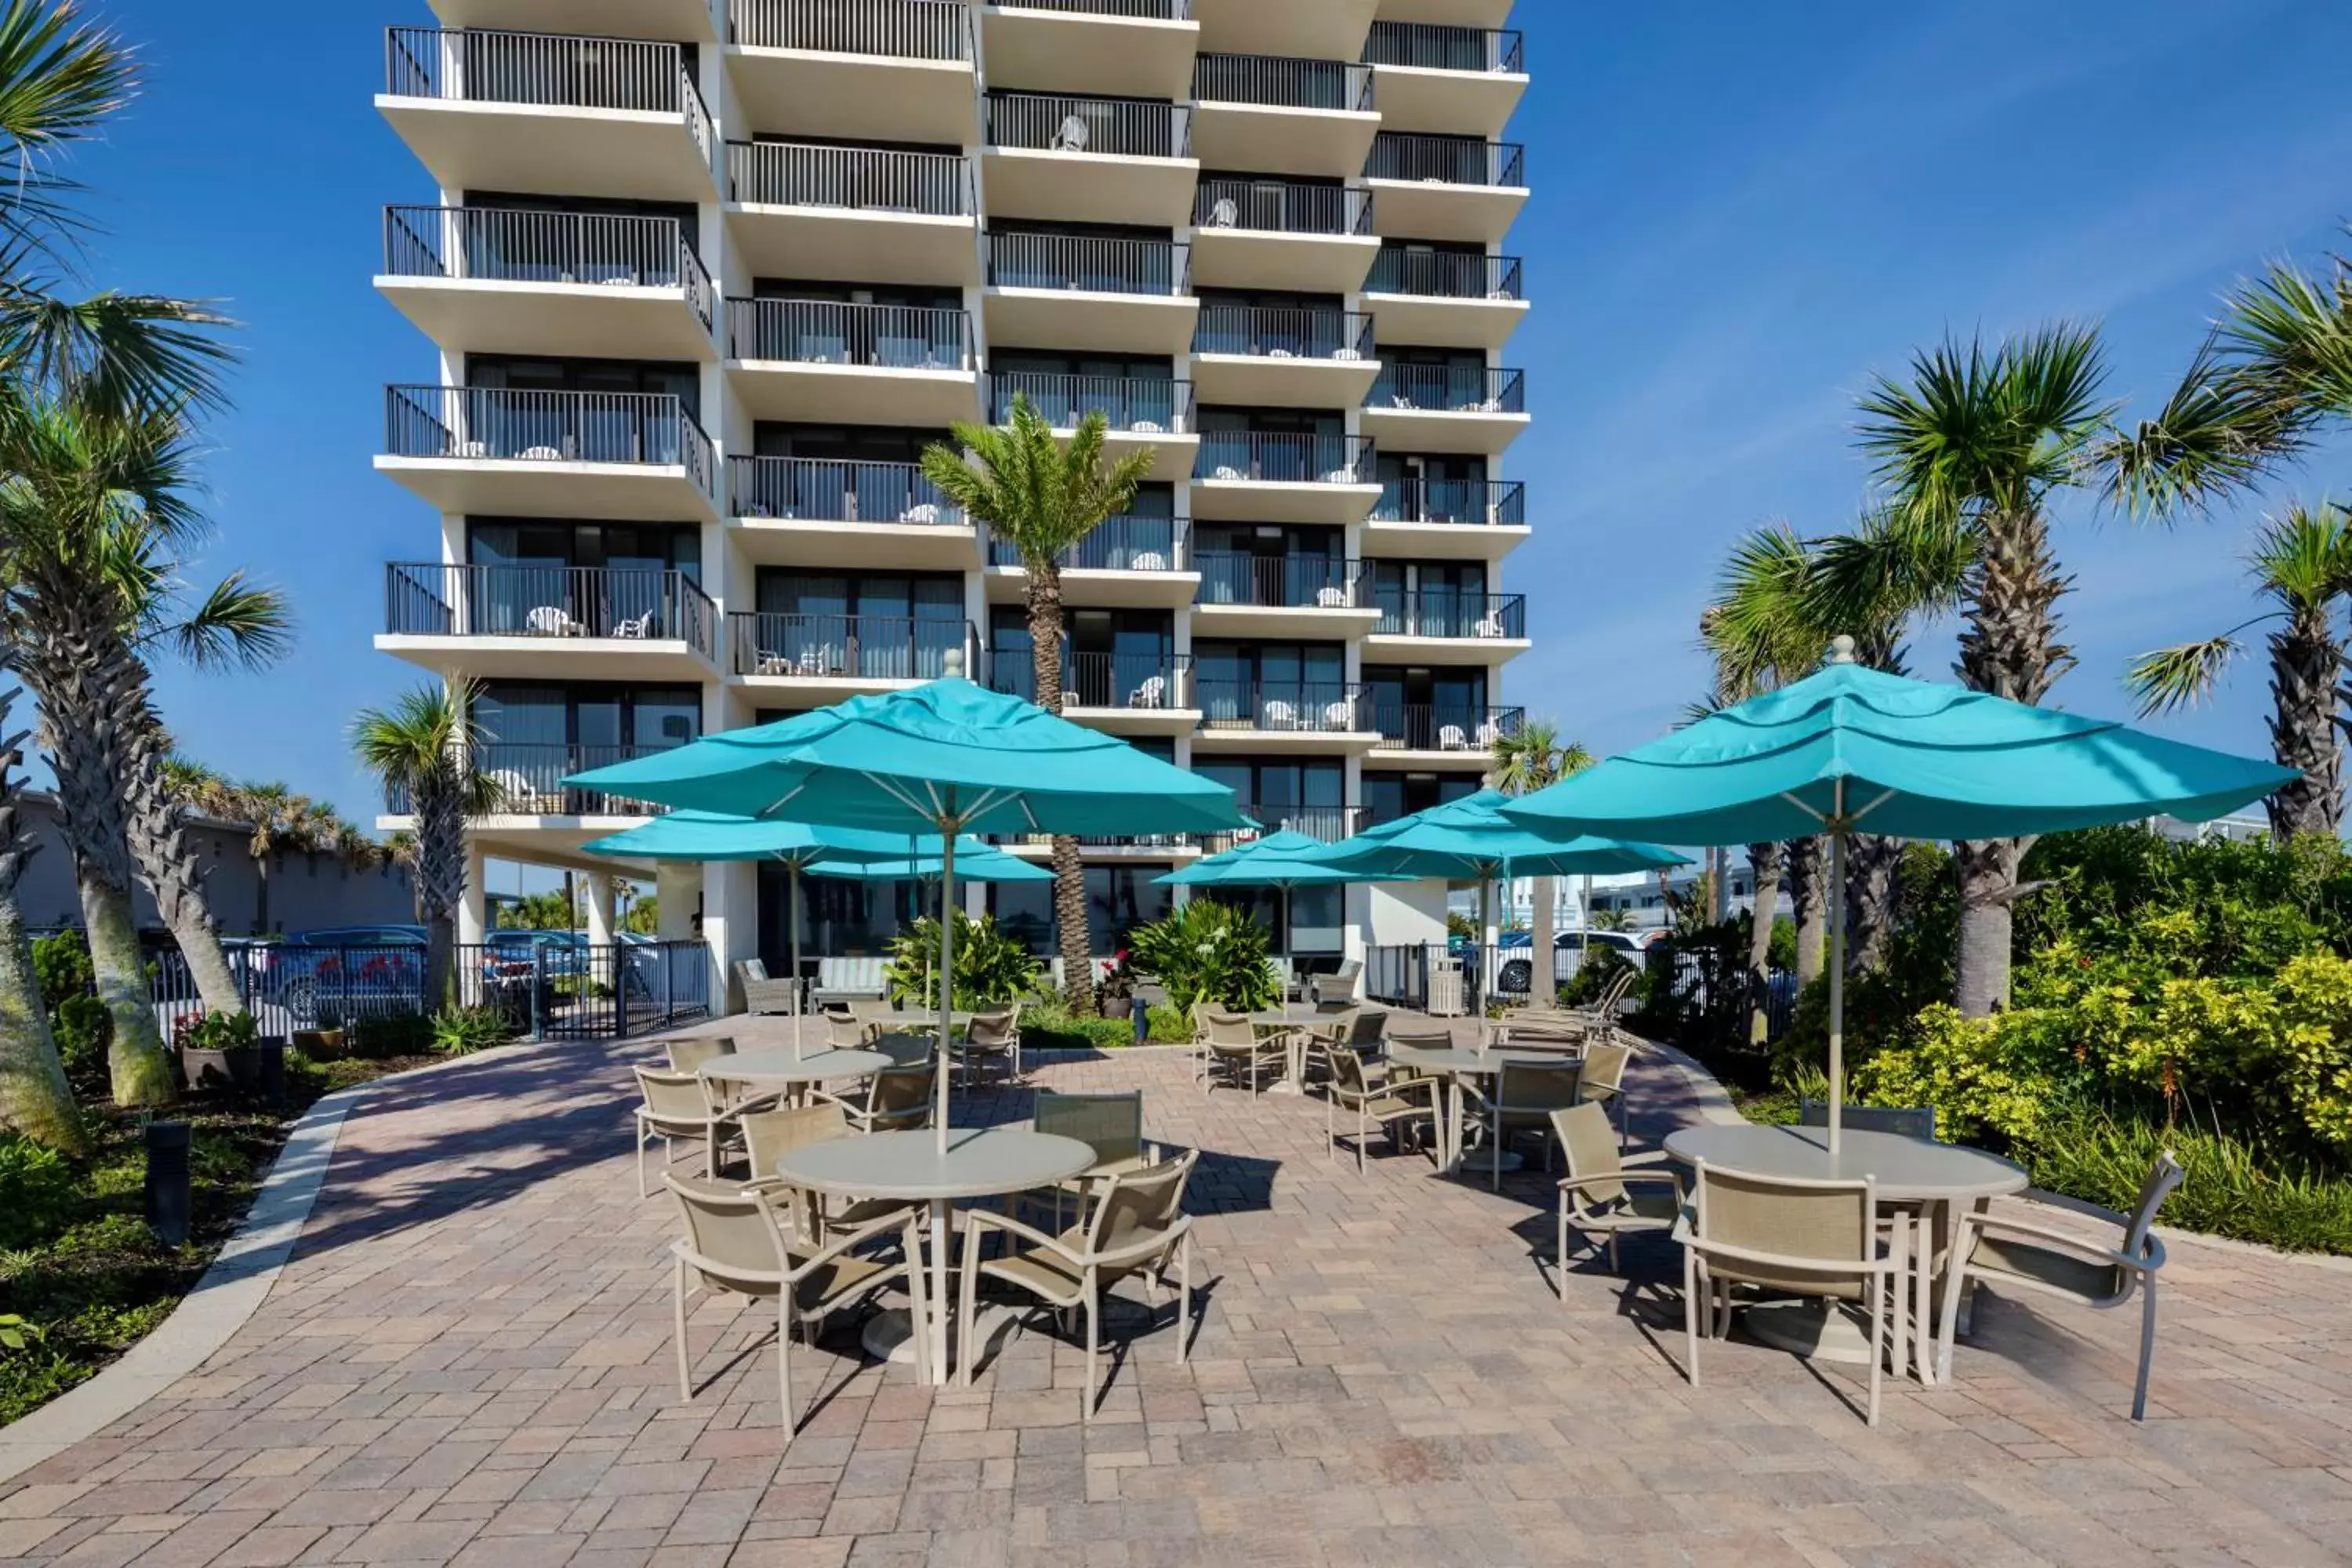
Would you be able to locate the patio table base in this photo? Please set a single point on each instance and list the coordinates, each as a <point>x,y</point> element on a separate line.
<point>1486,1162</point>
<point>1809,1328</point>
<point>889,1334</point>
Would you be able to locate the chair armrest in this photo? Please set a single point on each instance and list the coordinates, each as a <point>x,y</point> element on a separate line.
<point>977,1220</point>
<point>1647,1157</point>
<point>2078,1205</point>
<point>1724,1250</point>
<point>910,1226</point>
<point>2070,1246</point>
<point>1668,1178</point>
<point>1150,1246</point>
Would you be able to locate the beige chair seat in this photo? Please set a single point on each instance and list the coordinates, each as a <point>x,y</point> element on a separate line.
<point>1999,1258</point>
<point>1048,1274</point>
<point>1653,1205</point>
<point>842,1277</point>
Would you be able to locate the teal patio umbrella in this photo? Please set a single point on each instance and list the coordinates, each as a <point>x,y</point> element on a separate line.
<point>948,757</point>
<point>1470,840</point>
<point>975,862</point>
<point>1849,748</point>
<point>1282,862</point>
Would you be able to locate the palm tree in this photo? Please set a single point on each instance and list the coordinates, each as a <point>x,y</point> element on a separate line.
<point>36,1102</point>
<point>421,749</point>
<point>1531,758</point>
<point>1977,443</point>
<point>1026,489</point>
<point>2302,563</point>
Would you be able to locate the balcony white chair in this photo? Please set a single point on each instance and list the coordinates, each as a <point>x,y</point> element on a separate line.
<point>550,621</point>
<point>1145,427</point>
<point>1152,693</point>
<point>926,511</point>
<point>1331,599</point>
<point>1230,475</point>
<point>1341,477</point>
<point>1071,138</point>
<point>1339,716</point>
<point>1148,561</point>
<point>512,788</point>
<point>1280,353</point>
<point>1488,733</point>
<point>541,455</point>
<point>1280,715</point>
<point>637,628</point>
<point>1450,738</point>
<point>1224,214</point>
<point>1490,627</point>
<point>1347,356</point>
<point>469,449</point>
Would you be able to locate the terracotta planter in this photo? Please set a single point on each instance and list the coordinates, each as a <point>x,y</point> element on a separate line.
<point>322,1044</point>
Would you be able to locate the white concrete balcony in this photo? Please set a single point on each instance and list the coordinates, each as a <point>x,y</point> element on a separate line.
<point>813,511</point>
<point>1305,29</point>
<point>503,452</point>
<point>814,659</point>
<point>536,808</point>
<point>1260,476</point>
<point>1442,627</point>
<point>1447,520</point>
<point>1245,596</point>
<point>1127,563</point>
<point>1254,357</point>
<point>514,280</point>
<point>1446,409</point>
<point>1136,48</point>
<point>1118,693</point>
<point>1273,234</point>
<point>549,623</point>
<point>1090,159</point>
<point>1283,116</point>
<point>1142,416</point>
<point>1447,80</point>
<point>882,70</point>
<point>818,360</point>
<point>1441,298</point>
<point>1286,717</point>
<point>799,209</point>
<point>677,20</point>
<point>1080,292</point>
<point>1441,737</point>
<point>1447,188</point>
<point>540,111</point>
<point>1486,14</point>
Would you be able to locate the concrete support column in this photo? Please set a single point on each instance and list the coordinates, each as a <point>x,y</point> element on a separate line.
<point>730,925</point>
<point>473,909</point>
<point>602,923</point>
<point>677,887</point>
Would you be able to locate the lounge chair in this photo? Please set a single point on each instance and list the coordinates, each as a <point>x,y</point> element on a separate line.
<point>1604,1194</point>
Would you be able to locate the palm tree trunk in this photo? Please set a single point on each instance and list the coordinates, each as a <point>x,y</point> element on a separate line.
<point>2009,647</point>
<point>1765,862</point>
<point>440,881</point>
<point>35,1099</point>
<point>1871,862</point>
<point>2304,661</point>
<point>1543,978</point>
<point>1069,871</point>
<point>1808,886</point>
<point>159,843</point>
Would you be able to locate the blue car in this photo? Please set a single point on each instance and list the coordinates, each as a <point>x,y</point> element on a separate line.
<point>327,978</point>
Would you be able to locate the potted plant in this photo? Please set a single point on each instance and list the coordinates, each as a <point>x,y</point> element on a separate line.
<point>1115,987</point>
<point>225,1050</point>
<point>322,1044</point>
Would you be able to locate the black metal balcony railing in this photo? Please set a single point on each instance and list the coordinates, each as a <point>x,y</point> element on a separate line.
<point>1282,457</point>
<point>1446,160</point>
<point>510,424</point>
<point>1445,274</point>
<point>857,179</point>
<point>1486,503</point>
<point>530,779</point>
<point>1143,682</point>
<point>1107,127</point>
<point>1427,46</point>
<point>1144,10</point>
<point>1282,207</point>
<point>1266,331</point>
<point>864,647</point>
<point>1449,389</point>
<point>632,604</point>
<point>1295,707</point>
<point>828,331</point>
<point>1157,268</point>
<point>1442,727</point>
<point>1281,82</point>
<point>1329,824</point>
<point>892,29</point>
<point>827,489</point>
<point>1115,544</point>
<point>1134,406</point>
<point>514,245</point>
<point>1443,612</point>
<point>1280,582</point>
<point>545,69</point>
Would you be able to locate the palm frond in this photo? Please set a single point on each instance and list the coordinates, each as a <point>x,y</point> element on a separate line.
<point>238,623</point>
<point>2183,675</point>
<point>1999,427</point>
<point>113,352</point>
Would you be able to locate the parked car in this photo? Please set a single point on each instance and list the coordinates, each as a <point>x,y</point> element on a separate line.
<point>327,978</point>
<point>1516,973</point>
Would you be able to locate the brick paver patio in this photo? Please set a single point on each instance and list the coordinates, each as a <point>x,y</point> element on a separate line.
<point>469,1360</point>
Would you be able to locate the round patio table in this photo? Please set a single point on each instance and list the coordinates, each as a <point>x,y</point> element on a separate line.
<point>781,1067</point>
<point>1938,1176</point>
<point>1291,1018</point>
<point>979,1163</point>
<point>1452,1066</point>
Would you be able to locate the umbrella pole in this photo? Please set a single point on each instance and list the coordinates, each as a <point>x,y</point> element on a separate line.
<point>1837,973</point>
<point>794,897</point>
<point>947,971</point>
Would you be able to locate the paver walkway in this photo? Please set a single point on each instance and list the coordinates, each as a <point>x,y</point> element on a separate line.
<point>469,1360</point>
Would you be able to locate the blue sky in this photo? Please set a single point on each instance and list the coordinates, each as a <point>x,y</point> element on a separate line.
<point>1740,214</point>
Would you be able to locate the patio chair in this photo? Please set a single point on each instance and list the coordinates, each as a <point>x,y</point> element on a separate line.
<point>992,1035</point>
<point>1451,738</point>
<point>686,1055</point>
<point>1815,1240</point>
<point>1071,138</point>
<point>875,1013</point>
<point>1233,1043</point>
<point>905,1048</point>
<point>677,1105</point>
<point>1602,1079</point>
<point>637,628</point>
<point>1225,213</point>
<point>1112,1124</point>
<point>1393,1100</point>
<point>1487,734</point>
<point>1991,1248</point>
<point>1280,715</point>
<point>895,1099</point>
<point>1904,1121</point>
<point>513,791</point>
<point>1331,1030</point>
<point>1525,1094</point>
<point>769,1135</point>
<point>1137,1226</point>
<point>1339,985</point>
<point>1605,1194</point>
<point>843,1033</point>
<point>762,995</point>
<point>735,1243</point>
<point>1152,692</point>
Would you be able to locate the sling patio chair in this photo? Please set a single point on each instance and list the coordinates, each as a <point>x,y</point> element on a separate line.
<point>686,1055</point>
<point>1137,1226</point>
<point>1334,1028</point>
<point>737,1244</point>
<point>1602,1077</point>
<point>769,1135</point>
<point>679,1105</point>
<point>1608,1193</point>
<point>1525,1094</point>
<point>844,1032</point>
<point>1112,1124</point>
<point>895,1099</point>
<point>1789,1236</point>
<point>1376,1098</point>
<point>1998,1250</point>
<point>1234,1046</point>
<point>992,1037</point>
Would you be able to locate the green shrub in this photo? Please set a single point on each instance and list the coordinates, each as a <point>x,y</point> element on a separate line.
<point>385,1035</point>
<point>38,1191</point>
<point>61,963</point>
<point>221,1032</point>
<point>462,1031</point>
<point>990,968</point>
<point>1171,1026</point>
<point>1208,952</point>
<point>2229,1188</point>
<point>1049,1026</point>
<point>84,1029</point>
<point>1594,970</point>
